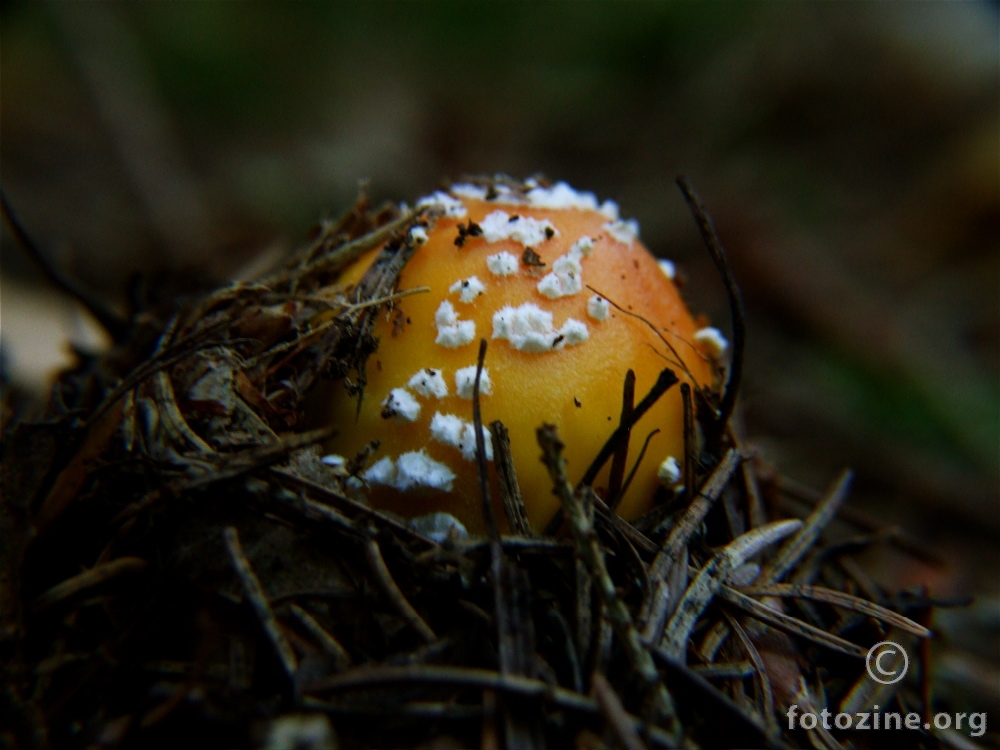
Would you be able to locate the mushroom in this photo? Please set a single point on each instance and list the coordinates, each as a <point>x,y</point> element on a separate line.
<point>545,274</point>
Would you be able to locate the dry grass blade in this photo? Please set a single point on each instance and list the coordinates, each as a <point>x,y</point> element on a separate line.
<point>255,595</point>
<point>712,577</point>
<point>376,563</point>
<point>790,554</point>
<point>789,624</point>
<point>839,599</point>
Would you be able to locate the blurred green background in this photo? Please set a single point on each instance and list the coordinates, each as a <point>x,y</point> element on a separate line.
<point>850,154</point>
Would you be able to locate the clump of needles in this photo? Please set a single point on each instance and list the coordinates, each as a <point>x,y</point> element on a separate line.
<point>178,567</point>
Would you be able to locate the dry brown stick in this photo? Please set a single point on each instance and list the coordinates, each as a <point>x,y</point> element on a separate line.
<point>617,473</point>
<point>330,645</point>
<point>615,713</point>
<point>489,516</point>
<point>638,462</point>
<point>839,599</point>
<point>367,678</point>
<point>255,595</point>
<point>384,579</point>
<point>664,382</point>
<point>793,550</point>
<point>690,440</point>
<point>789,624</point>
<point>85,582</point>
<point>659,701</point>
<point>513,503</point>
<point>737,311</point>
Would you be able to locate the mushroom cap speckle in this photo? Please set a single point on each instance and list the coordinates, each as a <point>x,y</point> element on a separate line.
<point>569,373</point>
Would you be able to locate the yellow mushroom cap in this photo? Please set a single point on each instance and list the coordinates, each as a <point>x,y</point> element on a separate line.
<point>558,351</point>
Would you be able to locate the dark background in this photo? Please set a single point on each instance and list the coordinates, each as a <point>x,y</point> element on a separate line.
<point>848,151</point>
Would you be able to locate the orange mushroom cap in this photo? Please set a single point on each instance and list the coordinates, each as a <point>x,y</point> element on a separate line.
<point>535,272</point>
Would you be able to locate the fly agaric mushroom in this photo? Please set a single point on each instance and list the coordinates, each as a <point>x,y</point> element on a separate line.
<point>544,274</point>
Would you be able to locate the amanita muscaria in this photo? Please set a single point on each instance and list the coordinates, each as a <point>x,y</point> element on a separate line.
<point>520,267</point>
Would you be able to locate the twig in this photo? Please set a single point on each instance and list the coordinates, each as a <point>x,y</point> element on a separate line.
<point>383,577</point>
<point>617,473</point>
<point>658,700</point>
<point>85,582</point>
<point>793,550</point>
<point>690,441</point>
<point>638,461</point>
<point>513,504</point>
<point>255,595</point>
<point>489,516</point>
<point>666,379</point>
<point>738,313</point>
<point>615,713</point>
<point>109,320</point>
<point>330,645</point>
